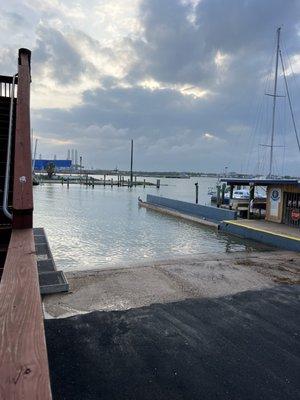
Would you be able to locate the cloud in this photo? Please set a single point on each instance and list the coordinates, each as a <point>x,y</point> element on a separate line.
<point>184,78</point>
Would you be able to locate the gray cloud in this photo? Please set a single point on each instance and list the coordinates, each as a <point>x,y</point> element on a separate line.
<point>63,59</point>
<point>222,47</point>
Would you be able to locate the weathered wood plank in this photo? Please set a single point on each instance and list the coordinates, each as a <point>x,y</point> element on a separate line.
<point>24,372</point>
<point>23,197</point>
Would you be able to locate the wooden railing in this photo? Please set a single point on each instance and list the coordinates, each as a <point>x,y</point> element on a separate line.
<point>24,370</point>
<point>6,86</point>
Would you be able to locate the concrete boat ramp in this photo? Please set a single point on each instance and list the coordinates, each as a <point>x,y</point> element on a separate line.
<point>207,327</point>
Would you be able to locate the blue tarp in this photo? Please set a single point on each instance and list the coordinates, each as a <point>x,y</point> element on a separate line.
<point>40,165</point>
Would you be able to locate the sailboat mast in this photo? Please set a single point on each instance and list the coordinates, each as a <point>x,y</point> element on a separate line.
<point>290,101</point>
<point>274,103</point>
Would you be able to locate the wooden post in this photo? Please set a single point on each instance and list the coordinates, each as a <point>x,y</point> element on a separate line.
<point>86,179</point>
<point>93,183</point>
<point>158,183</point>
<point>251,198</point>
<point>129,183</point>
<point>80,167</point>
<point>197,191</point>
<point>131,164</point>
<point>68,182</point>
<point>22,186</point>
<point>144,183</point>
<point>104,180</point>
<point>218,195</point>
<point>223,193</point>
<point>231,196</point>
<point>62,180</point>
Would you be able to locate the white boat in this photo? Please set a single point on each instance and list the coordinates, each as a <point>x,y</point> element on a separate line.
<point>241,194</point>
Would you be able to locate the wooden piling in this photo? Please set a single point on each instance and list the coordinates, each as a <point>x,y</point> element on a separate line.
<point>251,199</point>
<point>218,195</point>
<point>158,183</point>
<point>197,192</point>
<point>144,183</point>
<point>223,193</point>
<point>131,164</point>
<point>111,182</point>
<point>68,182</point>
<point>104,180</point>
<point>231,196</point>
<point>135,181</point>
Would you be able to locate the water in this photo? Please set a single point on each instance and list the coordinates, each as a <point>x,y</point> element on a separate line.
<point>102,227</point>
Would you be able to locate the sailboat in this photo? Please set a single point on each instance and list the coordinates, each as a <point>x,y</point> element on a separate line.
<point>279,62</point>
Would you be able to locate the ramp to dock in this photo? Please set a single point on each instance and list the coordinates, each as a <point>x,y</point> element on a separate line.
<point>270,233</point>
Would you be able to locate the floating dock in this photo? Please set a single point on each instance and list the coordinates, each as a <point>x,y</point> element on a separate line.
<point>204,215</point>
<point>266,232</point>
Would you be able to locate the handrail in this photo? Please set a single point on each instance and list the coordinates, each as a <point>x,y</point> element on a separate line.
<point>5,85</point>
<point>7,79</point>
<point>24,369</point>
<point>22,188</point>
<point>8,154</point>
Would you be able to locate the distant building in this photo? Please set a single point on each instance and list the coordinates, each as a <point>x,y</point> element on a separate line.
<point>40,165</point>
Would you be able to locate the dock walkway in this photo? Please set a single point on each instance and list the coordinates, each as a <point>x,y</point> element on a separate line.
<point>270,233</point>
<point>270,227</point>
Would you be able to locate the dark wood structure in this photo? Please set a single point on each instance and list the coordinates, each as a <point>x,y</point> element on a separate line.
<point>24,372</point>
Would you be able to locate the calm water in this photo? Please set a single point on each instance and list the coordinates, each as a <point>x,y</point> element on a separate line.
<point>101,227</point>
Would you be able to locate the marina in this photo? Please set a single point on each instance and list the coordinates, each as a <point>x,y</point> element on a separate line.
<point>132,287</point>
<point>105,226</point>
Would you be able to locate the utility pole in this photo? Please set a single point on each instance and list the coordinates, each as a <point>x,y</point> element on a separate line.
<point>274,104</point>
<point>131,164</point>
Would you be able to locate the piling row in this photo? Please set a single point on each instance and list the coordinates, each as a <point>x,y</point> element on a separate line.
<point>90,181</point>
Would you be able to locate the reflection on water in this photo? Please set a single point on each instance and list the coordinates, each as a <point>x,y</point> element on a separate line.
<point>96,228</point>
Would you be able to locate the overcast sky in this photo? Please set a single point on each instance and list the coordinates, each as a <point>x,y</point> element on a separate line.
<point>185,79</point>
